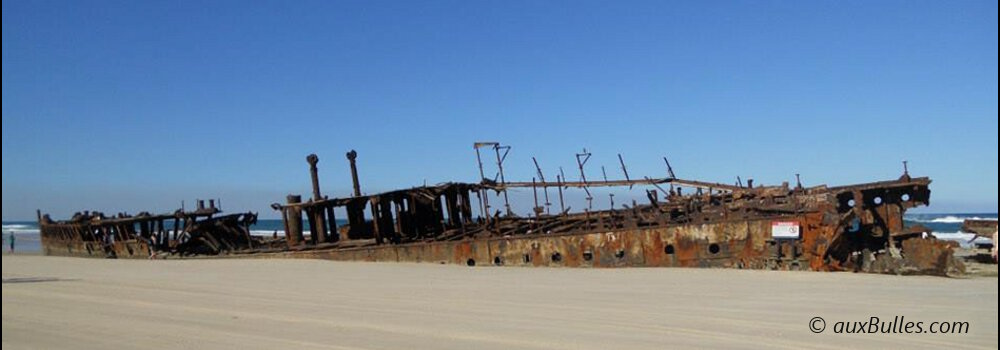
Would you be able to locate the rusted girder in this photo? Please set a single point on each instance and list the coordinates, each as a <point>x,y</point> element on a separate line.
<point>616,183</point>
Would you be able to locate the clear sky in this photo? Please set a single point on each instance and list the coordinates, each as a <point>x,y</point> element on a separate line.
<point>138,105</point>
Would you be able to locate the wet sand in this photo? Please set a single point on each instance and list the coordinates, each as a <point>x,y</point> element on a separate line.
<point>79,303</point>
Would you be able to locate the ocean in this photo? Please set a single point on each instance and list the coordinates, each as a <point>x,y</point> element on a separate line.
<point>945,226</point>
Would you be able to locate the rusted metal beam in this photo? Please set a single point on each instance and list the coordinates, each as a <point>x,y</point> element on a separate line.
<point>617,183</point>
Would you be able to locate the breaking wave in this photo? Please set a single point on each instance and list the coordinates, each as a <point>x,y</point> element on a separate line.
<point>958,236</point>
<point>281,233</point>
<point>950,219</point>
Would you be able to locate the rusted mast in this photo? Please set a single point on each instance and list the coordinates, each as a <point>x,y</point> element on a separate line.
<point>318,218</point>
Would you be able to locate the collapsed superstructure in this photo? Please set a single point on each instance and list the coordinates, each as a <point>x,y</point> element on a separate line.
<point>683,223</point>
<point>181,233</point>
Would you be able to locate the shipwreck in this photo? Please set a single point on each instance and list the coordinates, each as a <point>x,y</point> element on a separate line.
<point>680,223</point>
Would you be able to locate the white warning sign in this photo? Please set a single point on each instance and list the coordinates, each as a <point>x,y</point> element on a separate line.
<point>784,229</point>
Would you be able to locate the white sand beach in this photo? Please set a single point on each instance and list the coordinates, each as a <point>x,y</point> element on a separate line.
<point>52,303</point>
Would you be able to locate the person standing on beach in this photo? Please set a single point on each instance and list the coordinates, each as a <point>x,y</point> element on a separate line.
<point>11,242</point>
<point>151,245</point>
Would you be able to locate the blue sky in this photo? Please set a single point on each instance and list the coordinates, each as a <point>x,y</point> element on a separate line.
<point>138,105</point>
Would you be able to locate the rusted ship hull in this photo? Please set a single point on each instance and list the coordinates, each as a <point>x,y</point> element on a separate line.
<point>856,228</point>
<point>743,244</point>
<point>830,235</point>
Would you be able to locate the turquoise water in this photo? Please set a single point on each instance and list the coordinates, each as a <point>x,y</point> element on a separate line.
<point>945,226</point>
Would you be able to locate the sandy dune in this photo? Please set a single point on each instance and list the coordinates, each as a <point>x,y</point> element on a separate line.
<point>278,304</point>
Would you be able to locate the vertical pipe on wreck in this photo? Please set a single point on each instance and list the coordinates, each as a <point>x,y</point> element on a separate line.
<point>316,217</point>
<point>352,156</point>
<point>293,214</point>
